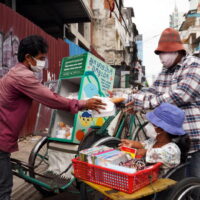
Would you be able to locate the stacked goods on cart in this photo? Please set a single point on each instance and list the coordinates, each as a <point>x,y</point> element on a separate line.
<point>63,130</point>
<point>114,168</point>
<point>106,157</point>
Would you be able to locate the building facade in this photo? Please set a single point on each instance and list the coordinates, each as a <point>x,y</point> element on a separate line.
<point>111,34</point>
<point>114,32</point>
<point>190,29</point>
<point>176,19</point>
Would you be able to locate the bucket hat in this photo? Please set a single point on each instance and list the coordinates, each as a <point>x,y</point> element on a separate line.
<point>168,117</point>
<point>170,41</point>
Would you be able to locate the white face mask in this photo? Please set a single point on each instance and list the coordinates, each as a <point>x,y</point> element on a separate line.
<point>167,59</point>
<point>40,65</point>
<point>150,131</point>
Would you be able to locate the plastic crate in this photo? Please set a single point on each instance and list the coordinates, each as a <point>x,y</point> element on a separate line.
<point>125,182</point>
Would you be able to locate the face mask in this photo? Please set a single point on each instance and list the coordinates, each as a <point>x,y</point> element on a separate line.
<point>40,65</point>
<point>150,131</point>
<point>167,59</point>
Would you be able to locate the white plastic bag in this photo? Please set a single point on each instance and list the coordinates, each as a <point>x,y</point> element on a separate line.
<point>110,108</point>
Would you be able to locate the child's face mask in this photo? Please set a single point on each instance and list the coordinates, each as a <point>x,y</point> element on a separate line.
<point>150,131</point>
<point>168,59</point>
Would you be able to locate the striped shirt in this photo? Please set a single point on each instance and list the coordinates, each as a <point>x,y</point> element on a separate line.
<point>180,86</point>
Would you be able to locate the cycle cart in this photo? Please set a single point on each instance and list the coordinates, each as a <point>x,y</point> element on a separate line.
<point>49,184</point>
<point>36,170</point>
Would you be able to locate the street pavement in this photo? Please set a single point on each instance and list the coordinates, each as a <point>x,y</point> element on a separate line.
<point>21,189</point>
<point>26,191</point>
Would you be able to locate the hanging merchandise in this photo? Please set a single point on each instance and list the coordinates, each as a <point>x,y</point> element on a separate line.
<point>63,130</point>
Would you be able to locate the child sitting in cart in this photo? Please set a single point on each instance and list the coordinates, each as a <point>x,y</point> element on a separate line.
<point>167,141</point>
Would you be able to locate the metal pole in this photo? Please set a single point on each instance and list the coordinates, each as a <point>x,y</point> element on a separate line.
<point>14,5</point>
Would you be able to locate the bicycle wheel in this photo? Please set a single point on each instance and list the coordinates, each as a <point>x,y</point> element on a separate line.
<point>107,141</point>
<point>89,139</point>
<point>38,162</point>
<point>187,189</point>
<point>139,133</point>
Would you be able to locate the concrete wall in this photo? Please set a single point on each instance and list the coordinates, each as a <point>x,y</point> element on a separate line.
<point>110,38</point>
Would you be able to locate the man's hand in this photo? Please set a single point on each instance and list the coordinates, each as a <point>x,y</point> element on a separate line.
<point>130,103</point>
<point>129,108</point>
<point>95,104</point>
<point>115,99</point>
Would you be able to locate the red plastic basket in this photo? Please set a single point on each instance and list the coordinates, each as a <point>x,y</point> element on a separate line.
<point>124,182</point>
